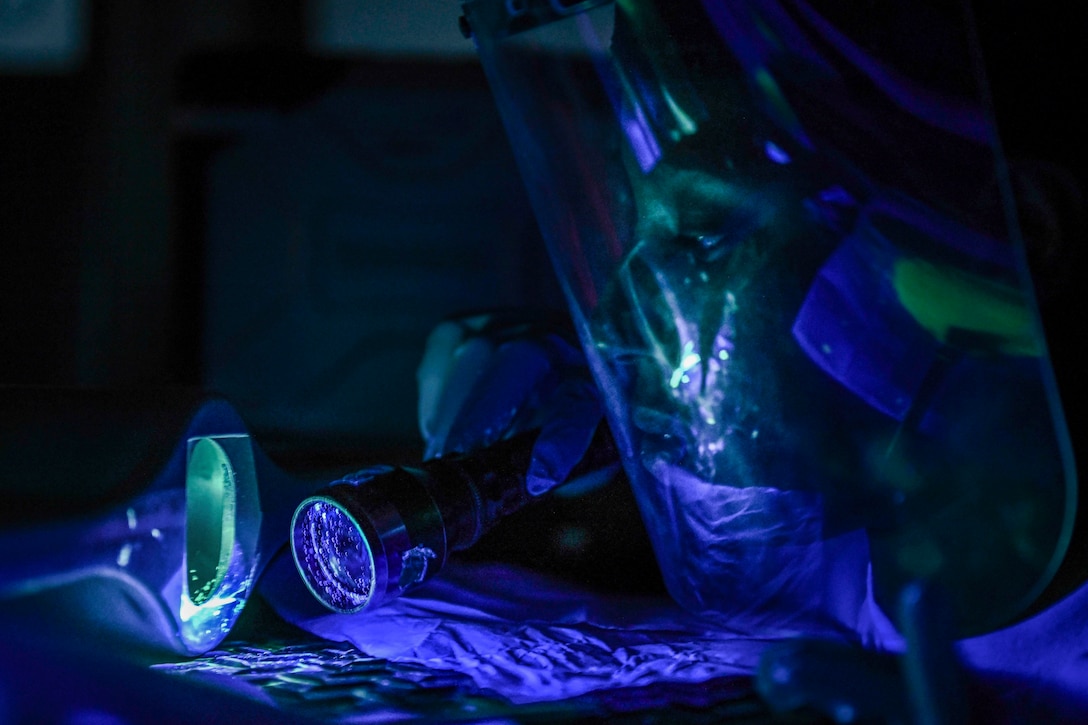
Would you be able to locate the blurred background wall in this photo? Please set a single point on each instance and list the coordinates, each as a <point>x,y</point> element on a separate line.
<point>276,201</point>
<point>279,200</point>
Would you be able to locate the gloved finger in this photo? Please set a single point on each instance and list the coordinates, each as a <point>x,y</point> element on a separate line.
<point>565,435</point>
<point>449,390</point>
<point>515,377</point>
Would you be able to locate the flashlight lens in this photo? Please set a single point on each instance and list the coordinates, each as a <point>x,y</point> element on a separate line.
<point>333,555</point>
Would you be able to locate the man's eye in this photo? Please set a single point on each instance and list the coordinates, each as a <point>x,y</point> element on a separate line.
<point>709,241</point>
<point>705,246</point>
<point>710,246</point>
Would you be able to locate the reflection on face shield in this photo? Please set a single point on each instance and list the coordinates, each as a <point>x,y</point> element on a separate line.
<point>794,277</point>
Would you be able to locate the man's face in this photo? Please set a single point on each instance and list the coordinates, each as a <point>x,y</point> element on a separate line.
<point>700,314</point>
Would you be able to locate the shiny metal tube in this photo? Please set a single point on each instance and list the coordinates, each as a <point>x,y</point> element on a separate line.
<point>372,537</point>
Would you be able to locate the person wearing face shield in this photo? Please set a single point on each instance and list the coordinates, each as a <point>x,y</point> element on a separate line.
<point>787,236</point>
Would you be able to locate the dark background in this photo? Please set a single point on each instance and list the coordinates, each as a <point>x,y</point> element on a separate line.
<point>214,195</point>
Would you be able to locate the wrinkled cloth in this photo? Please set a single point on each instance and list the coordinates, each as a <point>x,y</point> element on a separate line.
<point>533,638</point>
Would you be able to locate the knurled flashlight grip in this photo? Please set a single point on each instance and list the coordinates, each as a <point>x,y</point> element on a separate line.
<point>371,537</point>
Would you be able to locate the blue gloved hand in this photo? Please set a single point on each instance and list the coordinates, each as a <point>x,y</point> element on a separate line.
<point>486,377</point>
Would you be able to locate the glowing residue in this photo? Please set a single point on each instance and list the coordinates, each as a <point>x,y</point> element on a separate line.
<point>686,125</point>
<point>124,555</point>
<point>191,612</point>
<point>204,624</point>
<point>694,357</point>
<point>688,361</point>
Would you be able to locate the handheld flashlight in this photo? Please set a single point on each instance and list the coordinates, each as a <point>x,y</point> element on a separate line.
<point>373,536</point>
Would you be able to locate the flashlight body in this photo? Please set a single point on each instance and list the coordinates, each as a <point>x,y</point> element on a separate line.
<point>411,518</point>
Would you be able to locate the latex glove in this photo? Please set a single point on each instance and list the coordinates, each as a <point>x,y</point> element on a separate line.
<point>489,376</point>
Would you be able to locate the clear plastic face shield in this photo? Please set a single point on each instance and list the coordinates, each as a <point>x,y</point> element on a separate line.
<point>785,235</point>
